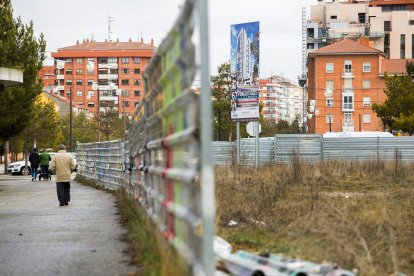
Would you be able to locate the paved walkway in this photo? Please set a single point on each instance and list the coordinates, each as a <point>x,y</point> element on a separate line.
<point>37,237</point>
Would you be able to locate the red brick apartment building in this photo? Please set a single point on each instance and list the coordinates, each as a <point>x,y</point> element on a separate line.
<point>117,74</point>
<point>344,80</point>
<point>47,73</point>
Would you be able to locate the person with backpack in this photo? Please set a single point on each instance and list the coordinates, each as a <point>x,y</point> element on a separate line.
<point>34,160</point>
<point>44,164</point>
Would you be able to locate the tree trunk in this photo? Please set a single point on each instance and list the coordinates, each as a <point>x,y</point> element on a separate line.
<point>6,156</point>
<point>219,125</point>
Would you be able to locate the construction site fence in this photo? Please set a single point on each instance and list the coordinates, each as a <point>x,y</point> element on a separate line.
<point>159,160</point>
<point>314,148</point>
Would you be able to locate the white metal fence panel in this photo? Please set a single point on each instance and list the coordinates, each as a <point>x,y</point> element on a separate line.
<point>308,147</point>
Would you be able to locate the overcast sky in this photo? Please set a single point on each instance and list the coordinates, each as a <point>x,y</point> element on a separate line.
<point>64,22</point>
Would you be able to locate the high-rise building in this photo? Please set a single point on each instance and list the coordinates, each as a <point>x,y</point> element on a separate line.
<point>244,66</point>
<point>103,74</point>
<point>282,99</point>
<point>387,24</point>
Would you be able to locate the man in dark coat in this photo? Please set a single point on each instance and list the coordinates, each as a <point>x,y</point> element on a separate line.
<point>34,160</point>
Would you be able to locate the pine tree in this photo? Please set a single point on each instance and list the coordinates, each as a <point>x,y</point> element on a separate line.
<point>19,49</point>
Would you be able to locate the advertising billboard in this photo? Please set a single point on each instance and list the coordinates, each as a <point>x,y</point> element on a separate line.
<point>245,103</point>
<point>244,68</point>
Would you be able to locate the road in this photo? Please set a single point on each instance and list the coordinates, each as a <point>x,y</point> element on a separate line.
<point>37,237</point>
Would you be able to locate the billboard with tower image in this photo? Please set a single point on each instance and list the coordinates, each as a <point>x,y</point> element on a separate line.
<point>244,67</point>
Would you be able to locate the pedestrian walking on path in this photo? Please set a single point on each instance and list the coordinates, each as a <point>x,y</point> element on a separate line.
<point>44,164</point>
<point>34,160</point>
<point>62,166</point>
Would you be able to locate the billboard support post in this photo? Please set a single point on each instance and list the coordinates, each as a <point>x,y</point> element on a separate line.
<point>238,143</point>
<point>256,134</point>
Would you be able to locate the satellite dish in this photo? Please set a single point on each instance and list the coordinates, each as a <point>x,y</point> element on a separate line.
<point>55,90</point>
<point>60,64</point>
<point>90,66</point>
<point>95,86</point>
<point>316,112</point>
<point>118,92</point>
<point>115,102</point>
<point>112,86</point>
<point>310,116</point>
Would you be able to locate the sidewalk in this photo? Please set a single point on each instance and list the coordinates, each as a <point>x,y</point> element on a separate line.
<point>37,237</point>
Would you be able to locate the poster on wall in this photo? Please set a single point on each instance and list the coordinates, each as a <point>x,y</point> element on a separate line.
<point>244,68</point>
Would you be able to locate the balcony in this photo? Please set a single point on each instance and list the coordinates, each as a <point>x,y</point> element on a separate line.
<point>60,77</point>
<point>348,73</point>
<point>108,98</point>
<point>108,66</point>
<point>376,34</point>
<point>108,76</point>
<point>60,87</point>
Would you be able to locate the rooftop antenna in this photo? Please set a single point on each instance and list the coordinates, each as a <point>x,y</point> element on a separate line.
<point>110,19</point>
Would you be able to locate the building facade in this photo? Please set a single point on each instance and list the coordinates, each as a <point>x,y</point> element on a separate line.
<point>281,98</point>
<point>244,66</point>
<point>47,73</point>
<point>102,74</point>
<point>387,24</point>
<point>343,82</point>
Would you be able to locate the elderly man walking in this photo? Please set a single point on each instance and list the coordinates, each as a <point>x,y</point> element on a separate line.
<point>62,166</point>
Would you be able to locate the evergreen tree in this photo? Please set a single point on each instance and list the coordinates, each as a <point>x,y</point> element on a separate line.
<point>397,111</point>
<point>19,49</point>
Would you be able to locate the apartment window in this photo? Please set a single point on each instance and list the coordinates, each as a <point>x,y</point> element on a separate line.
<point>387,44</point>
<point>361,17</point>
<point>91,104</point>
<point>113,60</point>
<point>137,82</point>
<point>125,71</point>
<point>137,93</point>
<point>124,60</point>
<point>90,82</point>
<point>79,82</point>
<point>366,118</point>
<point>68,82</point>
<point>330,84</point>
<point>125,93</point>
<point>79,93</point>
<point>410,22</point>
<point>68,71</point>
<point>125,103</point>
<point>78,71</point>
<point>136,103</point>
<point>125,82</point>
<point>90,72</point>
<point>334,17</point>
<point>347,102</point>
<point>329,102</point>
<point>329,119</point>
<point>79,60</point>
<point>68,61</point>
<point>137,60</point>
<point>348,66</point>
<point>310,46</point>
<point>387,26</point>
<point>366,101</point>
<point>79,103</point>
<point>329,68</point>
<point>91,93</point>
<point>402,46</point>
<point>366,84</point>
<point>366,67</point>
<point>412,46</point>
<point>137,71</point>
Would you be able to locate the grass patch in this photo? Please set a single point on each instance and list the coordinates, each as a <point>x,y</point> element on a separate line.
<point>148,249</point>
<point>358,215</point>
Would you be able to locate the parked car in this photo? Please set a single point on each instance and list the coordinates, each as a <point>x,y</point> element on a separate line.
<point>18,168</point>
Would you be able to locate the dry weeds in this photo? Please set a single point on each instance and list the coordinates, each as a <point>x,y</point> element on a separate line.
<point>359,215</point>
